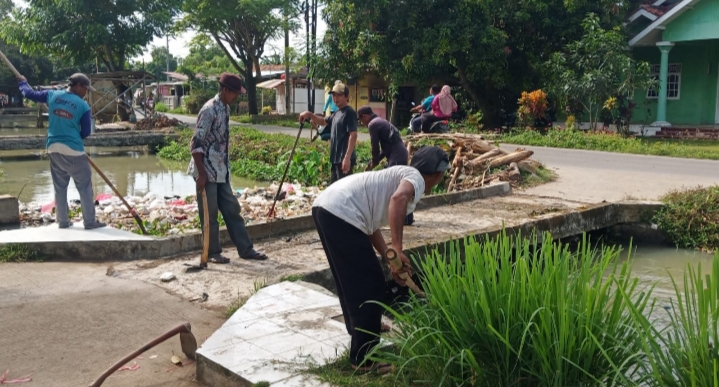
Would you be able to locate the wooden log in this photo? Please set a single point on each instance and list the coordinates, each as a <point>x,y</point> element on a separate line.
<point>457,170</point>
<point>410,150</point>
<point>511,158</point>
<point>527,167</point>
<point>484,157</point>
<point>514,174</point>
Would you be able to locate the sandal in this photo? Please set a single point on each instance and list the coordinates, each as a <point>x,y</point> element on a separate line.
<point>380,368</point>
<point>257,256</point>
<point>219,259</point>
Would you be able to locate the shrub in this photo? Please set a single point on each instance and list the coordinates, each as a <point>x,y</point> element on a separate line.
<point>178,110</point>
<point>517,314</point>
<point>532,106</point>
<point>267,110</point>
<point>161,107</point>
<point>197,99</point>
<point>691,217</point>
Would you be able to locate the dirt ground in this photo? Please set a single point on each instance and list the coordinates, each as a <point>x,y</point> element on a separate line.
<point>302,253</point>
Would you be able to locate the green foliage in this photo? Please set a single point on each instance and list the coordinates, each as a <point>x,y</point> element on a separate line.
<point>161,107</point>
<point>685,353</point>
<point>178,110</point>
<point>113,32</point>
<point>340,374</point>
<point>197,99</point>
<point>515,313</point>
<point>494,48</point>
<point>691,217</point>
<point>158,63</point>
<point>18,253</point>
<point>267,110</point>
<point>262,156</point>
<point>608,141</point>
<point>245,36</point>
<point>206,58</point>
<point>596,69</point>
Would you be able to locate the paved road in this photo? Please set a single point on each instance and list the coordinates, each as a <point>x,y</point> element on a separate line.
<point>66,323</point>
<point>595,176</point>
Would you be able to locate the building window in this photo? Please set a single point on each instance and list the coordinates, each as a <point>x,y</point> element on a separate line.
<point>674,81</point>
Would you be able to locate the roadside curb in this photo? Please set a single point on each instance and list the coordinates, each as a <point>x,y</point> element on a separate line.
<point>125,250</point>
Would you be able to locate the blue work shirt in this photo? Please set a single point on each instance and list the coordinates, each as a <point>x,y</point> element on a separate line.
<point>331,104</point>
<point>69,116</point>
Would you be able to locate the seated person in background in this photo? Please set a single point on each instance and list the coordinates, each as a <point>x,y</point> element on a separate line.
<point>424,107</point>
<point>443,106</point>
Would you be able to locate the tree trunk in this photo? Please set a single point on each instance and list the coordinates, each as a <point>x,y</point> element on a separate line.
<point>490,117</point>
<point>251,94</point>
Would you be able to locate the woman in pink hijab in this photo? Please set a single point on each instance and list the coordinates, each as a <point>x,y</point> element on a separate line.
<point>443,106</point>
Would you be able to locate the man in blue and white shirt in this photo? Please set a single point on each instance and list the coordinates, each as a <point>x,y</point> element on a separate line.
<point>210,167</point>
<point>69,119</point>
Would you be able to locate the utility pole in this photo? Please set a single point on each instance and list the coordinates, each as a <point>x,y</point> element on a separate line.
<point>287,65</point>
<point>167,56</point>
<point>314,48</point>
<point>310,104</point>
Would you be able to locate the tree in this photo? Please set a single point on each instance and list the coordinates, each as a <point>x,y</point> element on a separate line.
<point>206,58</point>
<point>596,72</point>
<point>158,64</point>
<point>241,28</point>
<point>494,49</point>
<point>82,31</point>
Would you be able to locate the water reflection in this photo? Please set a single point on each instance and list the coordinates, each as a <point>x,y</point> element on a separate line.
<point>134,172</point>
<point>10,130</point>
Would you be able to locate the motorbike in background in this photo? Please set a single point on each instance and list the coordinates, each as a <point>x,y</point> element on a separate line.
<point>436,127</point>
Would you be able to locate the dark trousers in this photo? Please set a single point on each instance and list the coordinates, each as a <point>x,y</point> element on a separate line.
<point>337,173</point>
<point>220,197</point>
<point>428,119</point>
<point>359,278</point>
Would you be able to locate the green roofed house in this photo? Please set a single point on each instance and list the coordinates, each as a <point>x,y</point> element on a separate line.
<point>680,40</point>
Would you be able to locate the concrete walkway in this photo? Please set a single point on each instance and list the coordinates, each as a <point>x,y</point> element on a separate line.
<point>67,323</point>
<point>77,232</point>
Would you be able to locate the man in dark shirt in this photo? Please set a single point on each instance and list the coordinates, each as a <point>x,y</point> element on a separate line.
<point>343,124</point>
<point>386,139</point>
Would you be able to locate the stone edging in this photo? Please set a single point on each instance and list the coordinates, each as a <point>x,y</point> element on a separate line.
<point>181,244</point>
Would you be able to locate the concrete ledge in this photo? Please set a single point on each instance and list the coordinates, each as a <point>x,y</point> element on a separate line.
<point>118,139</point>
<point>590,218</point>
<point>9,210</point>
<point>181,244</point>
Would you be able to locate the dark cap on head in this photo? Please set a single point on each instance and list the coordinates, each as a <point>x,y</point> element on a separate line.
<point>430,159</point>
<point>80,79</point>
<point>231,81</point>
<point>364,110</point>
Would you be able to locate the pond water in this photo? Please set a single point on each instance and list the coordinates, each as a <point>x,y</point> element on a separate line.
<point>656,264</point>
<point>9,129</point>
<point>134,172</point>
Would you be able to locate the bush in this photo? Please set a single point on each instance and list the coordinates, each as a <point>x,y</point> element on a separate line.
<point>518,314</point>
<point>178,110</point>
<point>267,110</point>
<point>197,99</point>
<point>161,107</point>
<point>691,218</point>
<point>262,156</point>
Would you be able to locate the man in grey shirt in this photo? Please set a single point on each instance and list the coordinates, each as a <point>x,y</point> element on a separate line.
<point>343,124</point>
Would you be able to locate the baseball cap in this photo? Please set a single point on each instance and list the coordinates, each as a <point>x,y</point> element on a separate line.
<point>364,110</point>
<point>340,88</point>
<point>430,159</point>
<point>80,79</point>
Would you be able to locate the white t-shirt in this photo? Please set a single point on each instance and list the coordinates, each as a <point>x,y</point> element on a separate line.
<point>362,199</point>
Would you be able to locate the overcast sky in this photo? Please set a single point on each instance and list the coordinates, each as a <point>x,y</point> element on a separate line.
<point>179,46</point>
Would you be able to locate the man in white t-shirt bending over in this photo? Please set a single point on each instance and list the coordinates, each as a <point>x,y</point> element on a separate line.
<point>348,216</point>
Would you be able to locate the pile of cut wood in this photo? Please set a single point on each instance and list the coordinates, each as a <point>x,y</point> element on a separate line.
<point>475,161</point>
<point>158,122</point>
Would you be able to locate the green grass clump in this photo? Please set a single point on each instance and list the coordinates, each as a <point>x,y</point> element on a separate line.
<point>613,142</point>
<point>686,352</point>
<point>691,217</point>
<point>161,108</point>
<point>18,253</point>
<point>514,313</point>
